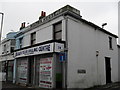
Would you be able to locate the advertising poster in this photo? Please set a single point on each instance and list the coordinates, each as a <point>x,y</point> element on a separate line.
<point>22,71</point>
<point>45,80</point>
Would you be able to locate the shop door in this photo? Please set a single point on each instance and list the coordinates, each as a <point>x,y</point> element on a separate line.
<point>59,73</point>
<point>108,70</point>
<point>31,70</point>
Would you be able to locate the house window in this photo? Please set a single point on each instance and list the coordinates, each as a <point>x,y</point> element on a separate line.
<point>5,48</point>
<point>110,42</point>
<point>58,31</point>
<point>13,42</point>
<point>21,42</point>
<point>12,49</point>
<point>33,38</point>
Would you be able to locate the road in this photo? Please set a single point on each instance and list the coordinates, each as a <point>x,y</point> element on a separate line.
<point>10,86</point>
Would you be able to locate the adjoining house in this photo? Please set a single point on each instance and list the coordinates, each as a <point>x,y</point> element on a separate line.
<point>7,56</point>
<point>63,50</point>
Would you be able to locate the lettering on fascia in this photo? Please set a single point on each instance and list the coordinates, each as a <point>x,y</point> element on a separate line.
<point>34,50</point>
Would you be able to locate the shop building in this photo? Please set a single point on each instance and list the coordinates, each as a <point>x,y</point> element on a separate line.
<point>7,56</point>
<point>63,50</point>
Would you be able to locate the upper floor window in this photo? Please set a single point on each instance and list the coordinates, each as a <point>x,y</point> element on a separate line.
<point>13,42</point>
<point>11,49</point>
<point>58,31</point>
<point>5,48</point>
<point>110,43</point>
<point>21,42</point>
<point>33,38</point>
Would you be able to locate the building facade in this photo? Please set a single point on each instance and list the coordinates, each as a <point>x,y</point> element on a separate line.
<point>63,50</point>
<point>7,56</point>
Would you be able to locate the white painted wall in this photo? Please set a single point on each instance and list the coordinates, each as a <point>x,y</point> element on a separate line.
<point>83,42</point>
<point>119,63</point>
<point>7,42</point>
<point>9,55</point>
<point>43,32</point>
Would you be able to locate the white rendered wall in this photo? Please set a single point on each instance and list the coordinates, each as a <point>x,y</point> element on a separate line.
<point>43,32</point>
<point>119,63</point>
<point>6,55</point>
<point>7,42</point>
<point>83,42</point>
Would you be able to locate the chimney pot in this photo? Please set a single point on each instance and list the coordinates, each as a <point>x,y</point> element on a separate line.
<point>23,24</point>
<point>42,13</point>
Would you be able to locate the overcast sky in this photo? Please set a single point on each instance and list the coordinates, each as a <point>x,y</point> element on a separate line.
<point>29,12</point>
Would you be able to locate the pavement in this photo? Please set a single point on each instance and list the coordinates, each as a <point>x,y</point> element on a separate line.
<point>11,86</point>
<point>111,86</point>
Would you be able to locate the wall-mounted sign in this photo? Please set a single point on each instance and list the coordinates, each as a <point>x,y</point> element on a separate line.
<point>59,47</point>
<point>45,80</point>
<point>40,49</point>
<point>22,71</point>
<point>81,71</point>
<point>35,50</point>
<point>62,56</point>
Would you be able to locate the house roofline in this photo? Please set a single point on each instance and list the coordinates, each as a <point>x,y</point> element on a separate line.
<point>66,10</point>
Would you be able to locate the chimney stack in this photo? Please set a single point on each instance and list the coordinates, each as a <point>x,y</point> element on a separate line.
<point>22,25</point>
<point>43,14</point>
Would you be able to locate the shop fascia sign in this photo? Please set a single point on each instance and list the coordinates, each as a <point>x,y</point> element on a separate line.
<point>40,49</point>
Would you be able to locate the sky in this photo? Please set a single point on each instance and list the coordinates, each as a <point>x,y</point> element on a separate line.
<point>98,12</point>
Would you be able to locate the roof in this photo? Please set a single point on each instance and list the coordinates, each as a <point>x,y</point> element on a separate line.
<point>99,28</point>
<point>66,10</point>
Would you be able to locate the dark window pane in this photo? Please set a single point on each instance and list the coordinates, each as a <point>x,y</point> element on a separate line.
<point>33,38</point>
<point>21,42</point>
<point>110,42</point>
<point>58,31</point>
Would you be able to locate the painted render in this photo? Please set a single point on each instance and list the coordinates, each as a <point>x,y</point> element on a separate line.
<point>118,62</point>
<point>83,43</point>
<point>86,48</point>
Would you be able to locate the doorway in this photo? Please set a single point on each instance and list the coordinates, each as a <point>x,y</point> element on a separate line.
<point>108,70</point>
<point>59,73</point>
<point>31,70</point>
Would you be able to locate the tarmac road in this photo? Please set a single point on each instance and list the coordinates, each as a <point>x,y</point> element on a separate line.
<point>10,86</point>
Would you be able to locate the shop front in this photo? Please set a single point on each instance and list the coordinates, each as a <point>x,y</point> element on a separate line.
<point>10,70</point>
<point>7,70</point>
<point>39,66</point>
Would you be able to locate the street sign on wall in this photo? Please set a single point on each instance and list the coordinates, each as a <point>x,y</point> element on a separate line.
<point>62,56</point>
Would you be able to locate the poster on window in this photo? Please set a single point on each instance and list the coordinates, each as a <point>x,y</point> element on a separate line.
<point>22,71</point>
<point>45,80</point>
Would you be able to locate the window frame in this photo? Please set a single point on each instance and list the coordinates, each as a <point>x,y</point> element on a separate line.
<point>20,42</point>
<point>57,31</point>
<point>33,38</point>
<point>110,43</point>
